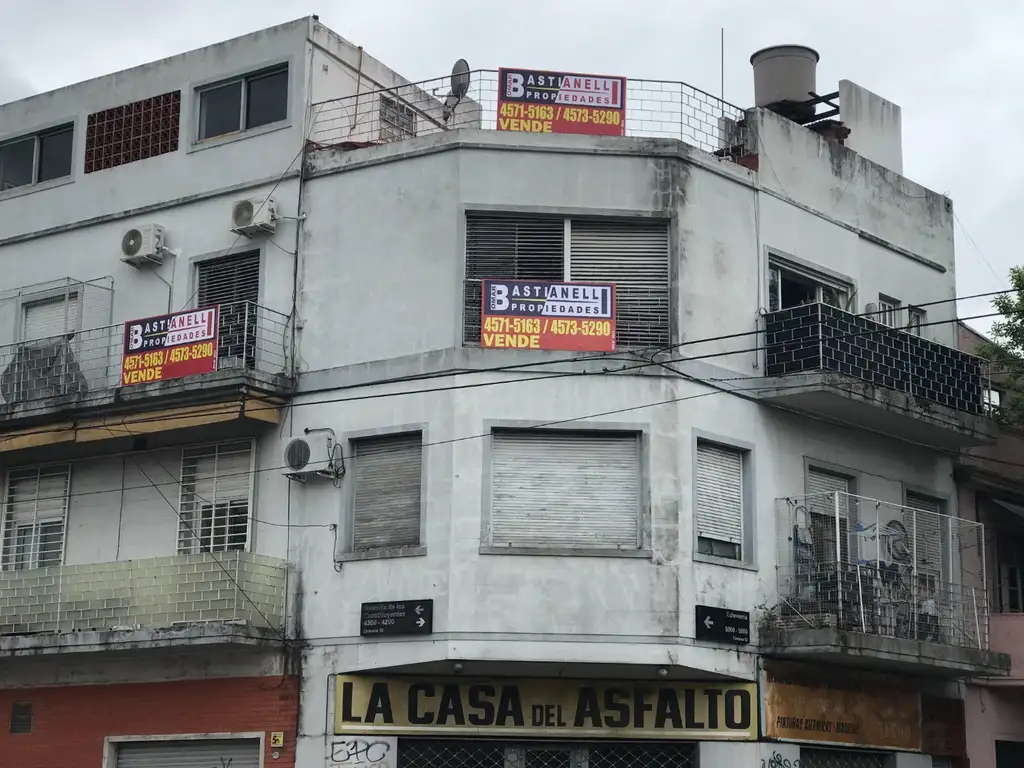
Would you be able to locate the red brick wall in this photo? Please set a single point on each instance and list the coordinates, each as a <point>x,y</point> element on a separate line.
<point>70,722</point>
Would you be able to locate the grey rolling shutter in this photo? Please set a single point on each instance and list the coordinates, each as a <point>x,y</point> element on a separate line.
<point>513,247</point>
<point>386,497</point>
<point>229,279</point>
<point>719,512</point>
<point>929,528</point>
<point>634,256</point>
<point>52,317</point>
<point>564,489</point>
<point>205,753</point>
<point>821,487</point>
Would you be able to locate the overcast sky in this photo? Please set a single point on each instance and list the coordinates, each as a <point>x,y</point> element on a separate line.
<point>958,74</point>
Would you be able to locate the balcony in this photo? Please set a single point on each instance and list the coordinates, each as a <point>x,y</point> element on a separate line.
<point>867,583</point>
<point>227,597</point>
<point>79,373</point>
<point>846,367</point>
<point>653,109</point>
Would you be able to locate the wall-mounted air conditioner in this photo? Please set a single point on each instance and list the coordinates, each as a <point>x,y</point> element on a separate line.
<point>304,458</point>
<point>254,216</point>
<point>144,244</point>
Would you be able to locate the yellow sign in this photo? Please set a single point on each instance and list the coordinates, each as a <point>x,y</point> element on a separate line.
<point>555,708</point>
<point>801,705</point>
<point>277,739</point>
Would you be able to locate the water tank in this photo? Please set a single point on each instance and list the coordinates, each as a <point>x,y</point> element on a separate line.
<point>784,75</point>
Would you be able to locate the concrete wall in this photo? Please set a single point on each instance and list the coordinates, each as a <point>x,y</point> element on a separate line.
<point>876,125</point>
<point>993,714</point>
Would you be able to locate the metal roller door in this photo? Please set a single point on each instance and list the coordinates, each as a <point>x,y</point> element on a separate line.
<point>438,753</point>
<point>840,758</point>
<point>207,753</point>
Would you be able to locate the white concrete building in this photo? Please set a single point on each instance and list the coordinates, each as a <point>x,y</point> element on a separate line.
<point>774,433</point>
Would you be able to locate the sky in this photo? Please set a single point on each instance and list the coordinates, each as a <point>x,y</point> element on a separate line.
<point>956,74</point>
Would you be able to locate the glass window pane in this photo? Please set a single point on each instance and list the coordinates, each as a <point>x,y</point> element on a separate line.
<point>55,154</point>
<point>219,110</point>
<point>16,160</point>
<point>267,99</point>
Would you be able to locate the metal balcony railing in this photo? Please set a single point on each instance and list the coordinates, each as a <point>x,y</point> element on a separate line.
<point>820,337</point>
<point>869,566</point>
<point>654,108</point>
<point>155,593</point>
<point>84,366</point>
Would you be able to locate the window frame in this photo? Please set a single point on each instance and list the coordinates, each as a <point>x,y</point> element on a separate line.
<point>567,217</point>
<point>243,76</point>
<point>35,134</point>
<point>400,109</point>
<point>344,551</point>
<point>844,286</point>
<point>748,548</point>
<point>644,515</point>
<point>37,522</point>
<point>196,521</point>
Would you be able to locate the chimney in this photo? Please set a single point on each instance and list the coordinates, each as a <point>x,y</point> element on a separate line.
<point>784,78</point>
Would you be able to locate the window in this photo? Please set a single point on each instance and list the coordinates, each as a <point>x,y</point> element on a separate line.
<point>387,491</point>
<point>21,717</point>
<point>992,399</point>
<point>397,120</point>
<point>824,488</point>
<point>35,510</point>
<point>928,526</point>
<point>915,319</point>
<point>215,492</point>
<point>241,105</point>
<point>233,283</point>
<point>792,287</point>
<point>719,507</point>
<point>34,159</point>
<point>53,316</point>
<point>634,255</point>
<point>560,489</point>
<point>888,312</point>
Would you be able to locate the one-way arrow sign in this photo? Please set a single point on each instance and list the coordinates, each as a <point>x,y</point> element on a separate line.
<point>399,617</point>
<point>722,625</point>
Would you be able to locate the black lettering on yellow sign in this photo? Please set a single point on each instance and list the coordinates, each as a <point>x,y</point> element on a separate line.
<point>533,705</point>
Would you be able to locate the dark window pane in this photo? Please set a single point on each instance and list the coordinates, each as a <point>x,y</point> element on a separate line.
<point>16,163</point>
<point>268,99</point>
<point>219,110</point>
<point>55,154</point>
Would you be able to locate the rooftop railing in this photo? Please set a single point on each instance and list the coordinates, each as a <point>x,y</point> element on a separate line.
<point>654,108</point>
<point>83,367</point>
<point>878,568</point>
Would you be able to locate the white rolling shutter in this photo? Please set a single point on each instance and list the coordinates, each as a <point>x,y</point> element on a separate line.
<point>215,489</point>
<point>206,753</point>
<point>930,529</point>
<point>387,475</point>
<point>719,513</point>
<point>52,317</point>
<point>635,256</point>
<point>565,489</point>
<point>821,489</point>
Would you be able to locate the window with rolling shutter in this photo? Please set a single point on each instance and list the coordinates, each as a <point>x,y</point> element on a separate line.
<point>719,501</point>
<point>386,497</point>
<point>558,489</point>
<point>216,482</point>
<point>822,488</point>
<point>233,283</point>
<point>634,255</point>
<point>50,317</point>
<point>929,530</point>
<point>35,511</point>
<point>191,753</point>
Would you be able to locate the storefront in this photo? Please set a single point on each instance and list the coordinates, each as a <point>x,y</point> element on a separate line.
<point>431,723</point>
<point>828,719</point>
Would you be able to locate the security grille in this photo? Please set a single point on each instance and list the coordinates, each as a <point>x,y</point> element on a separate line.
<point>436,753</point>
<point>215,489</point>
<point>34,513</point>
<point>839,758</point>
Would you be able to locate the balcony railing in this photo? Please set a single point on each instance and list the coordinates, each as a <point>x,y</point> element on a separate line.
<point>863,565</point>
<point>155,593</point>
<point>84,367</point>
<point>654,108</point>
<point>819,337</point>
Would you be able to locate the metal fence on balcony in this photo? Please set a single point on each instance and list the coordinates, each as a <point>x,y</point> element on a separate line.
<point>654,108</point>
<point>875,567</point>
<point>84,366</point>
<point>820,337</point>
<point>154,593</point>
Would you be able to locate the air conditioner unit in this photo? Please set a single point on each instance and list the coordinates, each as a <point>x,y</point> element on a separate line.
<point>144,245</point>
<point>304,459</point>
<point>254,216</point>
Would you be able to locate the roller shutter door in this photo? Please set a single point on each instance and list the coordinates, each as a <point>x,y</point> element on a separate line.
<point>207,753</point>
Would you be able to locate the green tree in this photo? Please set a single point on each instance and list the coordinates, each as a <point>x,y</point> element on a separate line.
<point>1006,350</point>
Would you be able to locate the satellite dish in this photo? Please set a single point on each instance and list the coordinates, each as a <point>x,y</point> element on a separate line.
<point>460,79</point>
